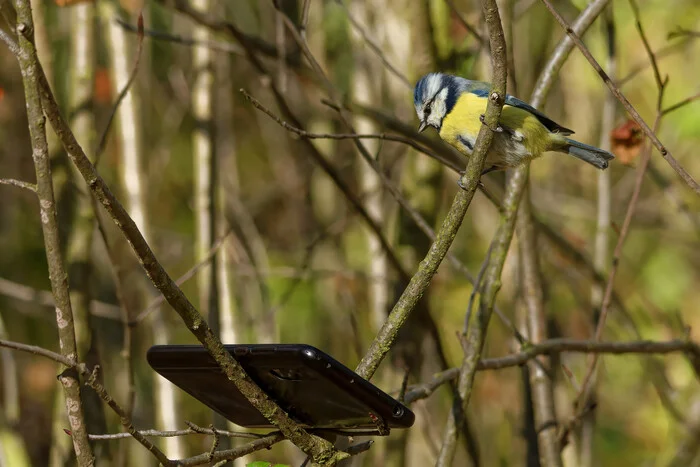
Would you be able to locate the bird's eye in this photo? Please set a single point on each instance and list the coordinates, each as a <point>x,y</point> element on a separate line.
<point>427,110</point>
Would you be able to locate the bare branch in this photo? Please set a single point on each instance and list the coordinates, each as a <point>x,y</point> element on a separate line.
<point>319,449</point>
<point>681,104</point>
<point>257,445</point>
<point>42,297</point>
<point>685,176</point>
<point>471,29</point>
<point>552,347</point>
<point>156,302</point>
<point>30,68</point>
<point>682,32</point>
<point>248,42</point>
<point>476,335</point>
<point>19,183</point>
<point>92,381</point>
<point>662,52</point>
<point>335,136</point>
<point>374,46</point>
<point>219,46</point>
<point>122,94</point>
<point>453,220</point>
<point>168,434</point>
<point>601,249</point>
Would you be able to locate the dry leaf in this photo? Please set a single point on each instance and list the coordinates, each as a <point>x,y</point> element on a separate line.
<point>626,141</point>
<point>103,87</point>
<point>63,3</point>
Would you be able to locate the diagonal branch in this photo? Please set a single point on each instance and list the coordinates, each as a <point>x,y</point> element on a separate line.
<point>476,335</point>
<point>30,68</point>
<point>318,448</point>
<point>685,176</point>
<point>445,236</point>
<point>553,347</point>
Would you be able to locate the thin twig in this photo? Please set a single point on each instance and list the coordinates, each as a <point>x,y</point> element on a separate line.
<point>45,298</point>
<point>586,385</point>
<point>219,46</point>
<point>91,380</point>
<point>681,32</point>
<point>476,334</point>
<point>318,448</point>
<point>122,94</point>
<point>19,183</point>
<point>471,29</point>
<point>30,69</point>
<point>601,249</point>
<point>550,71</point>
<point>248,42</point>
<point>680,104</point>
<point>553,347</point>
<point>124,418</point>
<point>662,52</point>
<point>415,216</point>
<point>374,46</point>
<point>304,18</point>
<point>334,136</point>
<point>230,454</point>
<point>156,302</point>
<point>685,176</point>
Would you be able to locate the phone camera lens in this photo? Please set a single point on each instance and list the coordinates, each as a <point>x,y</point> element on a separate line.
<point>398,411</point>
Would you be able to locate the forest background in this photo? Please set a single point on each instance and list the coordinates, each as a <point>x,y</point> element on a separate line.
<point>278,237</point>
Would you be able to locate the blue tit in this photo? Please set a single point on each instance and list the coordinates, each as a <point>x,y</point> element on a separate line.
<point>455,107</point>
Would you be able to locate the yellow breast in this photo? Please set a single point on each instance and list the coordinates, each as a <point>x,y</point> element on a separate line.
<point>464,120</point>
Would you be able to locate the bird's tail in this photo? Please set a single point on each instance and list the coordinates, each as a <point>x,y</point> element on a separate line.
<point>594,156</point>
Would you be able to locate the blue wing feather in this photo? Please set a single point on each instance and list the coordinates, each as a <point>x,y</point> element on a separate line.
<point>482,89</point>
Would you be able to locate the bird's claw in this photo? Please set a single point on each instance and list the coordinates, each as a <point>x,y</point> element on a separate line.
<point>459,180</point>
<point>498,129</point>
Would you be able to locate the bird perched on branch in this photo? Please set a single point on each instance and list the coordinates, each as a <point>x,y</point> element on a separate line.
<point>455,107</point>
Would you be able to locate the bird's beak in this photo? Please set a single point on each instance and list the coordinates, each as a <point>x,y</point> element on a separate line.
<point>422,127</point>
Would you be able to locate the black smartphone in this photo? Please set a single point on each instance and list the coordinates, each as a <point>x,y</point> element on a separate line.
<point>316,390</point>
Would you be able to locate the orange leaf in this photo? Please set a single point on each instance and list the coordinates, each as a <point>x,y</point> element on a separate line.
<point>103,87</point>
<point>2,94</point>
<point>626,141</point>
<point>63,3</point>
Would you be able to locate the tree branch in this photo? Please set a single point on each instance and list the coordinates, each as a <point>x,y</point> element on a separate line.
<point>586,385</point>
<point>29,65</point>
<point>552,347</point>
<point>319,449</point>
<point>685,176</point>
<point>19,183</point>
<point>445,236</point>
<point>476,334</point>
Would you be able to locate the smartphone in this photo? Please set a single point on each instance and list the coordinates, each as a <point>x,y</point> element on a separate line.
<point>315,390</point>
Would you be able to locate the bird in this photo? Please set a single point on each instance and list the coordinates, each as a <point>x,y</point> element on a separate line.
<point>455,107</point>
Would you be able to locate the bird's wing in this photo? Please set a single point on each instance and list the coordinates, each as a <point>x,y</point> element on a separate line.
<point>482,89</point>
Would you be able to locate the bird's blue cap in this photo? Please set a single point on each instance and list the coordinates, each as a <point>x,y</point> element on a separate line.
<point>427,85</point>
<point>421,87</point>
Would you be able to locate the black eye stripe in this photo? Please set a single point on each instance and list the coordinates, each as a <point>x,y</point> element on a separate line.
<point>428,106</point>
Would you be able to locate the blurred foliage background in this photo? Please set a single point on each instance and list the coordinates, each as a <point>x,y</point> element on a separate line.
<point>299,265</point>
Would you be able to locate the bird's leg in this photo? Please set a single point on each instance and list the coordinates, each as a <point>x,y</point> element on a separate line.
<point>498,129</point>
<point>490,169</point>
